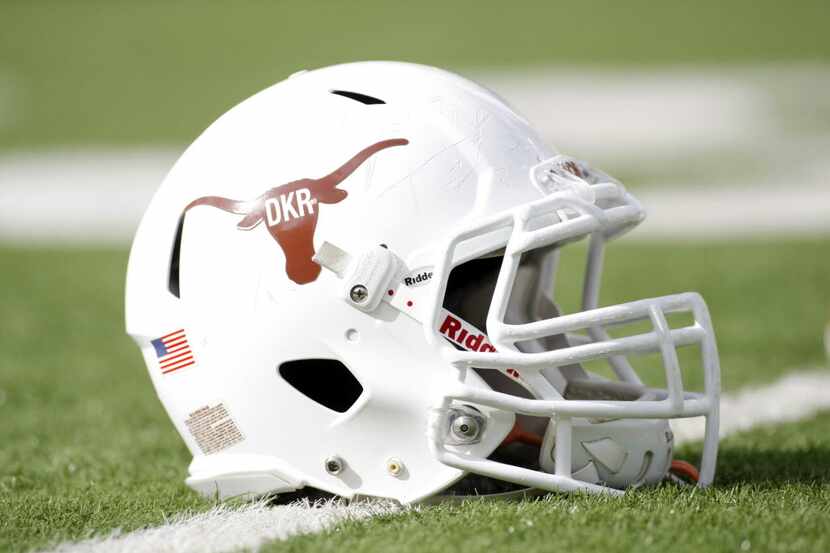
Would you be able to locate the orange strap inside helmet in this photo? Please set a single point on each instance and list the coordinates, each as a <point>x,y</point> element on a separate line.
<point>517,434</point>
<point>685,470</point>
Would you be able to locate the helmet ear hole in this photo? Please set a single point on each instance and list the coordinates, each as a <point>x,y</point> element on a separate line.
<point>325,381</point>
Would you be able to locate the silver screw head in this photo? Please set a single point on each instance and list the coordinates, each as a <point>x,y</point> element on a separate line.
<point>465,428</point>
<point>334,465</point>
<point>358,293</point>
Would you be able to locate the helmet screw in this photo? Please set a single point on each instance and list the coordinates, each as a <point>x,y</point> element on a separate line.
<point>358,293</point>
<point>465,428</point>
<point>334,465</point>
<point>394,466</point>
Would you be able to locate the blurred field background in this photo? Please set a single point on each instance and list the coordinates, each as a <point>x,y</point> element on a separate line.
<point>716,111</point>
<point>137,73</point>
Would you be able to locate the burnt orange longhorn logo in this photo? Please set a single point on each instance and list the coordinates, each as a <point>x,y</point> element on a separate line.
<point>290,211</point>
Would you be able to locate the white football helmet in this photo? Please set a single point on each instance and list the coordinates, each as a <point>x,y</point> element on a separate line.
<point>346,284</point>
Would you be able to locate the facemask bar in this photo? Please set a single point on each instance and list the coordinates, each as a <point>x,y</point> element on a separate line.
<point>601,210</point>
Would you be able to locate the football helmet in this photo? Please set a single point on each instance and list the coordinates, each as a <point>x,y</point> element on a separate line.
<point>346,283</point>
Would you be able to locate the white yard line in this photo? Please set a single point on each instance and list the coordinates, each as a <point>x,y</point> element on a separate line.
<point>225,529</point>
<point>95,196</point>
<point>100,197</point>
<point>615,114</point>
<point>795,397</point>
<point>758,155</point>
<point>733,212</point>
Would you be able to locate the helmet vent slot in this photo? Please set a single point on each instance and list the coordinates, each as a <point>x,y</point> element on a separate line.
<point>325,381</point>
<point>173,274</point>
<point>358,97</point>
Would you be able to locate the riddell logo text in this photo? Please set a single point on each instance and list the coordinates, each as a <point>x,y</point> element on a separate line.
<point>418,278</point>
<point>464,335</point>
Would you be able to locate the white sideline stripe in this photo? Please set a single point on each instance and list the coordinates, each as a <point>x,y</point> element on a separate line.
<point>78,196</point>
<point>100,197</point>
<point>225,529</point>
<point>645,121</point>
<point>610,113</point>
<point>616,113</point>
<point>735,212</point>
<point>794,397</point>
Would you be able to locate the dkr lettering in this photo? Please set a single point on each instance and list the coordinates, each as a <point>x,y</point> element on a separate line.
<point>292,205</point>
<point>464,334</point>
<point>290,211</point>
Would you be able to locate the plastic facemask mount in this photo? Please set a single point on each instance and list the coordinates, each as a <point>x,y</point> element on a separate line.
<point>366,278</point>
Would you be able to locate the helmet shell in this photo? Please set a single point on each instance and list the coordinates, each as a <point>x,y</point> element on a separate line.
<point>466,156</point>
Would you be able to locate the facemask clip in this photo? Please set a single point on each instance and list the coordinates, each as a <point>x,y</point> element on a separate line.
<point>367,278</point>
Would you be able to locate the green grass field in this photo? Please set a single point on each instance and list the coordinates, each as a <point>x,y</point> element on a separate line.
<point>772,495</point>
<point>87,447</point>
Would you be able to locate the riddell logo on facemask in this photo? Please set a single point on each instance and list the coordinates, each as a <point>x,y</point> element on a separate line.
<point>464,334</point>
<point>290,211</point>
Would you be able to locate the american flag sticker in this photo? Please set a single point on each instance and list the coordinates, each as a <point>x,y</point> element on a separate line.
<point>173,351</point>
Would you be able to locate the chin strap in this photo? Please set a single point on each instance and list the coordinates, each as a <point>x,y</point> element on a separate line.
<point>517,434</point>
<point>682,472</point>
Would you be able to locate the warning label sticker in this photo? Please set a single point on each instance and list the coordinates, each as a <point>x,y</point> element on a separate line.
<point>213,428</point>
